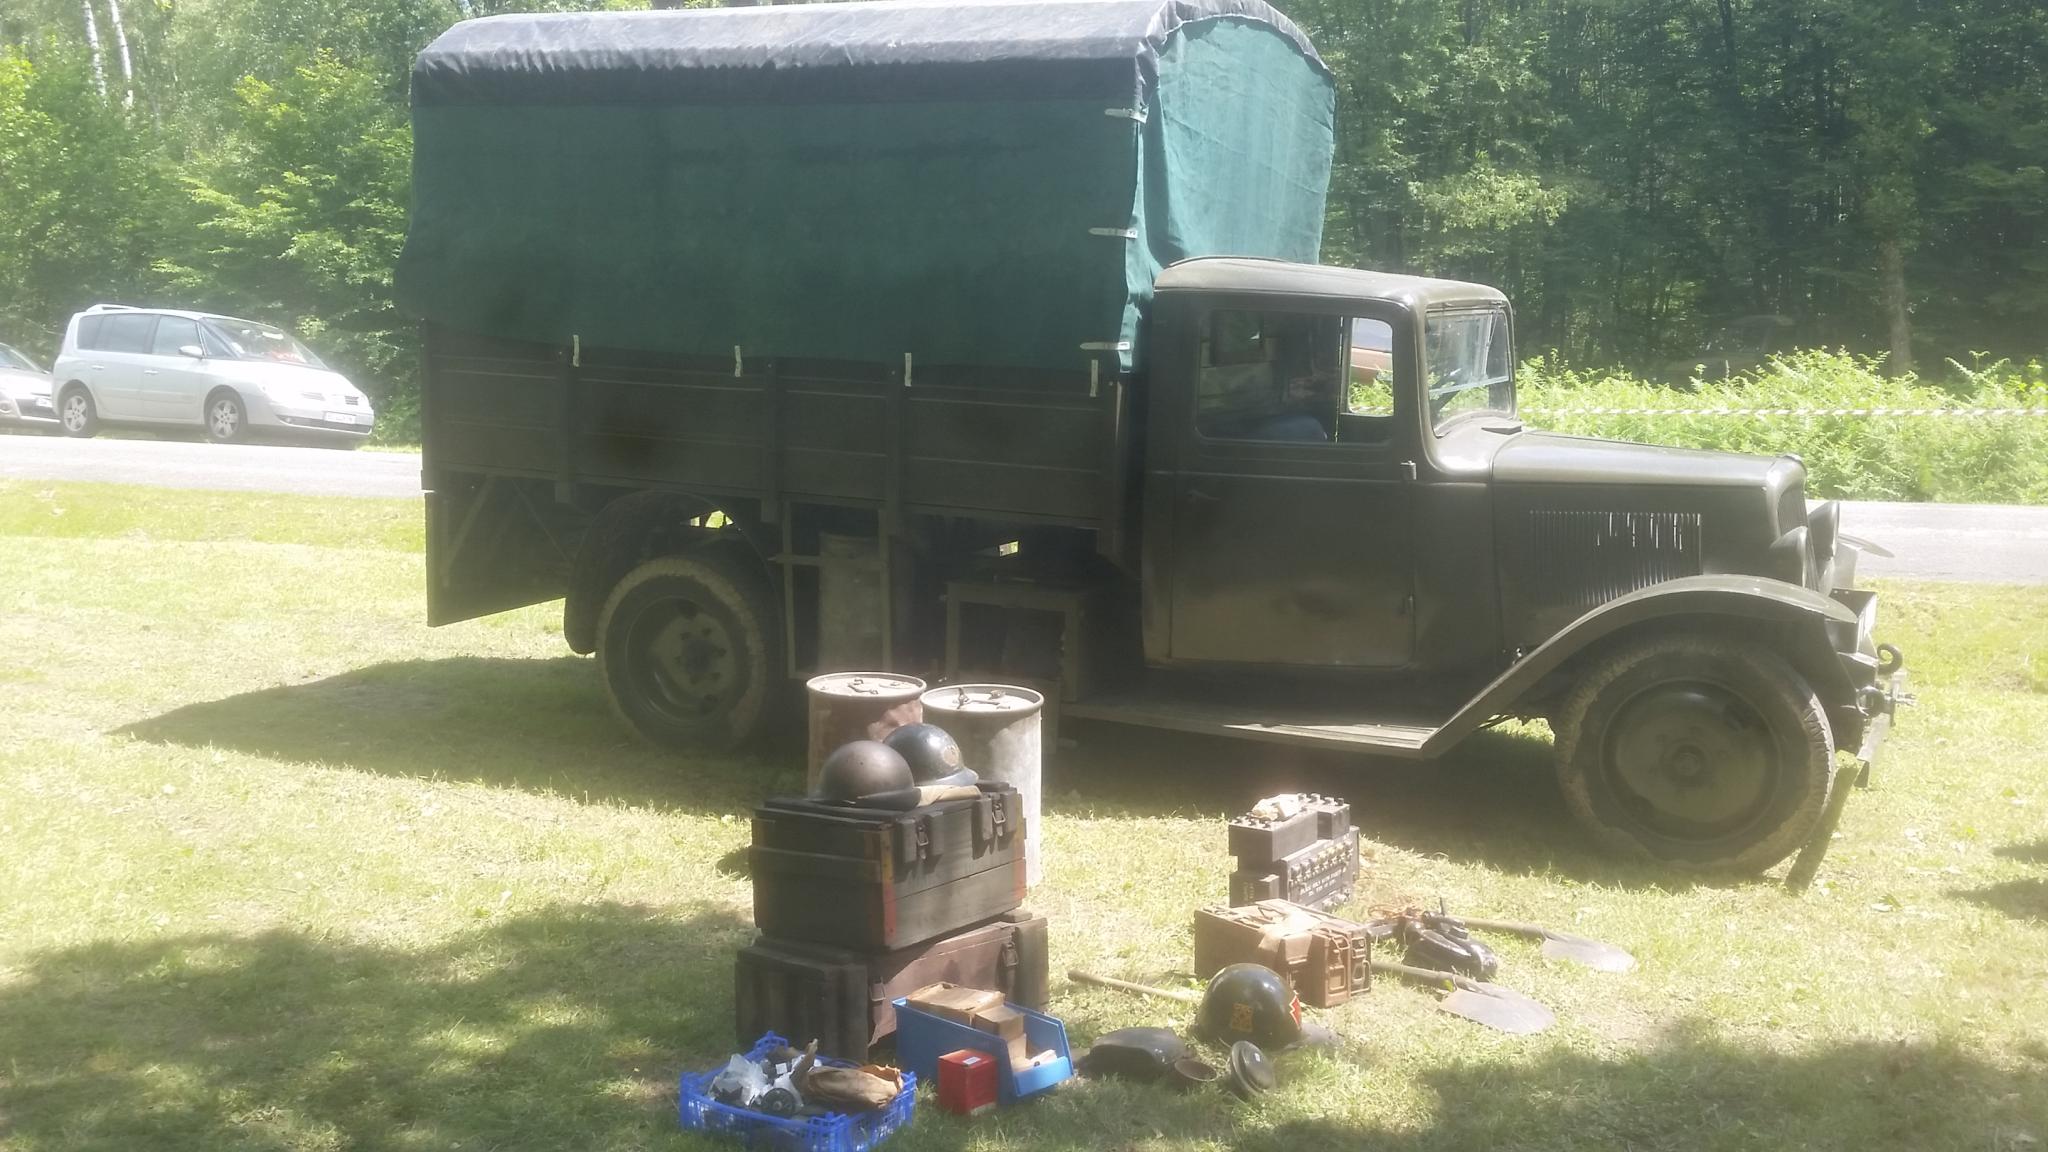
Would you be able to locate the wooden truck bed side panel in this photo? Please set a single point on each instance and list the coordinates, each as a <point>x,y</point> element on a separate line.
<point>958,440</point>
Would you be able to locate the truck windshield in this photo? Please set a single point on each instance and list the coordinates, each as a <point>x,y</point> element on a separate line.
<point>1470,368</point>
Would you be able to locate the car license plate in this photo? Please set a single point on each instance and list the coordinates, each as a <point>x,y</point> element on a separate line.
<point>341,417</point>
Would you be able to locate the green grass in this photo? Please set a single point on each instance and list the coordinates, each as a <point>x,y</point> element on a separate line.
<point>1993,459</point>
<point>284,869</point>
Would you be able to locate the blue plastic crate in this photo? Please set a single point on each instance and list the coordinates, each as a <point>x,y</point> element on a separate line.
<point>838,1132</point>
<point>921,1038</point>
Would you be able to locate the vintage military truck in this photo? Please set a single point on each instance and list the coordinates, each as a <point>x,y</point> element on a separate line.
<point>988,337</point>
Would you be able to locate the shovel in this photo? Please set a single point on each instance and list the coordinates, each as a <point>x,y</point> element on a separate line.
<point>1498,1008</point>
<point>1598,955</point>
<point>1080,977</point>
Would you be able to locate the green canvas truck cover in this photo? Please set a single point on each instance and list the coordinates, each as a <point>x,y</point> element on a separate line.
<point>989,182</point>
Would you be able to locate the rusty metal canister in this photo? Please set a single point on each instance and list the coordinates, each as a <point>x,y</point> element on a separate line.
<point>857,706</point>
<point>996,726</point>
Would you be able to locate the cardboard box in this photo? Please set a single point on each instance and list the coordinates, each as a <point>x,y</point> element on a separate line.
<point>1007,1023</point>
<point>952,1002</point>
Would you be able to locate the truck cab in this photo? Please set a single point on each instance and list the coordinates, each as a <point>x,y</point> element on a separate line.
<point>1297,418</point>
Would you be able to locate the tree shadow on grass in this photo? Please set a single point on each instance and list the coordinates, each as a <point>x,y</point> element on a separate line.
<point>2029,852</point>
<point>2023,899</point>
<point>1697,1091</point>
<point>2019,899</point>
<point>1492,800</point>
<point>1693,1090</point>
<point>565,1028</point>
<point>538,725</point>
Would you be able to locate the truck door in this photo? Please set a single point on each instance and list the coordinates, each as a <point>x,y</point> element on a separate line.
<point>1290,531</point>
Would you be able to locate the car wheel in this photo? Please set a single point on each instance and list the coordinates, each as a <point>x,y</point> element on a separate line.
<point>1703,753</point>
<point>227,418</point>
<point>77,413</point>
<point>690,650</point>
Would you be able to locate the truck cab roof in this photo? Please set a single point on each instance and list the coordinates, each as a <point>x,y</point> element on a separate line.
<point>1252,276</point>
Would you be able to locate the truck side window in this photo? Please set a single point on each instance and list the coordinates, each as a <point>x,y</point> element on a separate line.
<point>1371,385</point>
<point>1270,376</point>
<point>1368,415</point>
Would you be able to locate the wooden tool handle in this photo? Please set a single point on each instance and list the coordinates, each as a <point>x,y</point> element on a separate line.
<point>1510,927</point>
<point>1081,977</point>
<point>1429,977</point>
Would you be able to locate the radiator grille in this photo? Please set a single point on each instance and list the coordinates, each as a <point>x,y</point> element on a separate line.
<point>1582,559</point>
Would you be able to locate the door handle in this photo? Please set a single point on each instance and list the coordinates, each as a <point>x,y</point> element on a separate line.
<point>149,371</point>
<point>99,367</point>
<point>1204,497</point>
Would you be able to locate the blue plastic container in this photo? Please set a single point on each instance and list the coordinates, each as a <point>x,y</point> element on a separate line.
<point>838,1132</point>
<point>921,1038</point>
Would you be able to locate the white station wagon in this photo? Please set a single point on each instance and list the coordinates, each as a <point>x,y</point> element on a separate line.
<point>149,366</point>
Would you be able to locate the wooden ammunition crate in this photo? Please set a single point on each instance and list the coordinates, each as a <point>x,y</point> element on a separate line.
<point>1327,959</point>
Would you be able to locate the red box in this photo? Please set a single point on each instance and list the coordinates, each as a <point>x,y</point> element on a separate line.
<point>967,1082</point>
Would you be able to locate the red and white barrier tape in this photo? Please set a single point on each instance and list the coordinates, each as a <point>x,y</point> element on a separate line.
<point>1966,412</point>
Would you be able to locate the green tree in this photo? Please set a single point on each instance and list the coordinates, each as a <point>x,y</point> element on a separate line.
<point>298,213</point>
<point>77,196</point>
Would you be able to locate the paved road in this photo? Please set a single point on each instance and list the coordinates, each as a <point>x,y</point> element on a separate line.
<point>1932,541</point>
<point>1987,543</point>
<point>198,464</point>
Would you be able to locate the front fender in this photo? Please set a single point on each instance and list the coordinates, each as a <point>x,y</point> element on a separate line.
<point>1802,623</point>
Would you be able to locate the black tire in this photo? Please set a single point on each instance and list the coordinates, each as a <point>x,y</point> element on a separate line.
<point>226,418</point>
<point>691,650</point>
<point>1706,754</point>
<point>76,413</point>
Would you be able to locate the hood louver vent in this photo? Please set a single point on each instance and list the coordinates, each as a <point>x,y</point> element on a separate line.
<point>1581,559</point>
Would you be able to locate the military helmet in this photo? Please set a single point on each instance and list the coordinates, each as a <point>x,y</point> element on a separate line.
<point>933,754</point>
<point>862,768</point>
<point>1250,1002</point>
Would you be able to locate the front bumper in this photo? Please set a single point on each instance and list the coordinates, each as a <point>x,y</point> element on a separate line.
<point>339,418</point>
<point>37,412</point>
<point>1879,674</point>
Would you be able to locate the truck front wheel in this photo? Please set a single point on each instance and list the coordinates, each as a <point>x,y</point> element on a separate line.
<point>689,649</point>
<point>1699,752</point>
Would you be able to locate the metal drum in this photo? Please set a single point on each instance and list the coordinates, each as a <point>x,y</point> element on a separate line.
<point>857,706</point>
<point>996,726</point>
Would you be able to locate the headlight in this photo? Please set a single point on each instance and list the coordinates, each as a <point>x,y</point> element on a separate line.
<point>1792,558</point>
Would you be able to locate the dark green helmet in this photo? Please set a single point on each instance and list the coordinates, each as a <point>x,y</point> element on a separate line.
<point>933,754</point>
<point>1250,1002</point>
<point>862,768</point>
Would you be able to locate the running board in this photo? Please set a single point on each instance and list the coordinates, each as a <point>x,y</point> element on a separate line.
<point>1310,729</point>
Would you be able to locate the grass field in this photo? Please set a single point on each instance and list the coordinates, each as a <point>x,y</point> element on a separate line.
<point>280,868</point>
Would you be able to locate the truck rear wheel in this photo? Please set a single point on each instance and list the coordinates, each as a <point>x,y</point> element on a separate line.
<point>690,650</point>
<point>1699,752</point>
